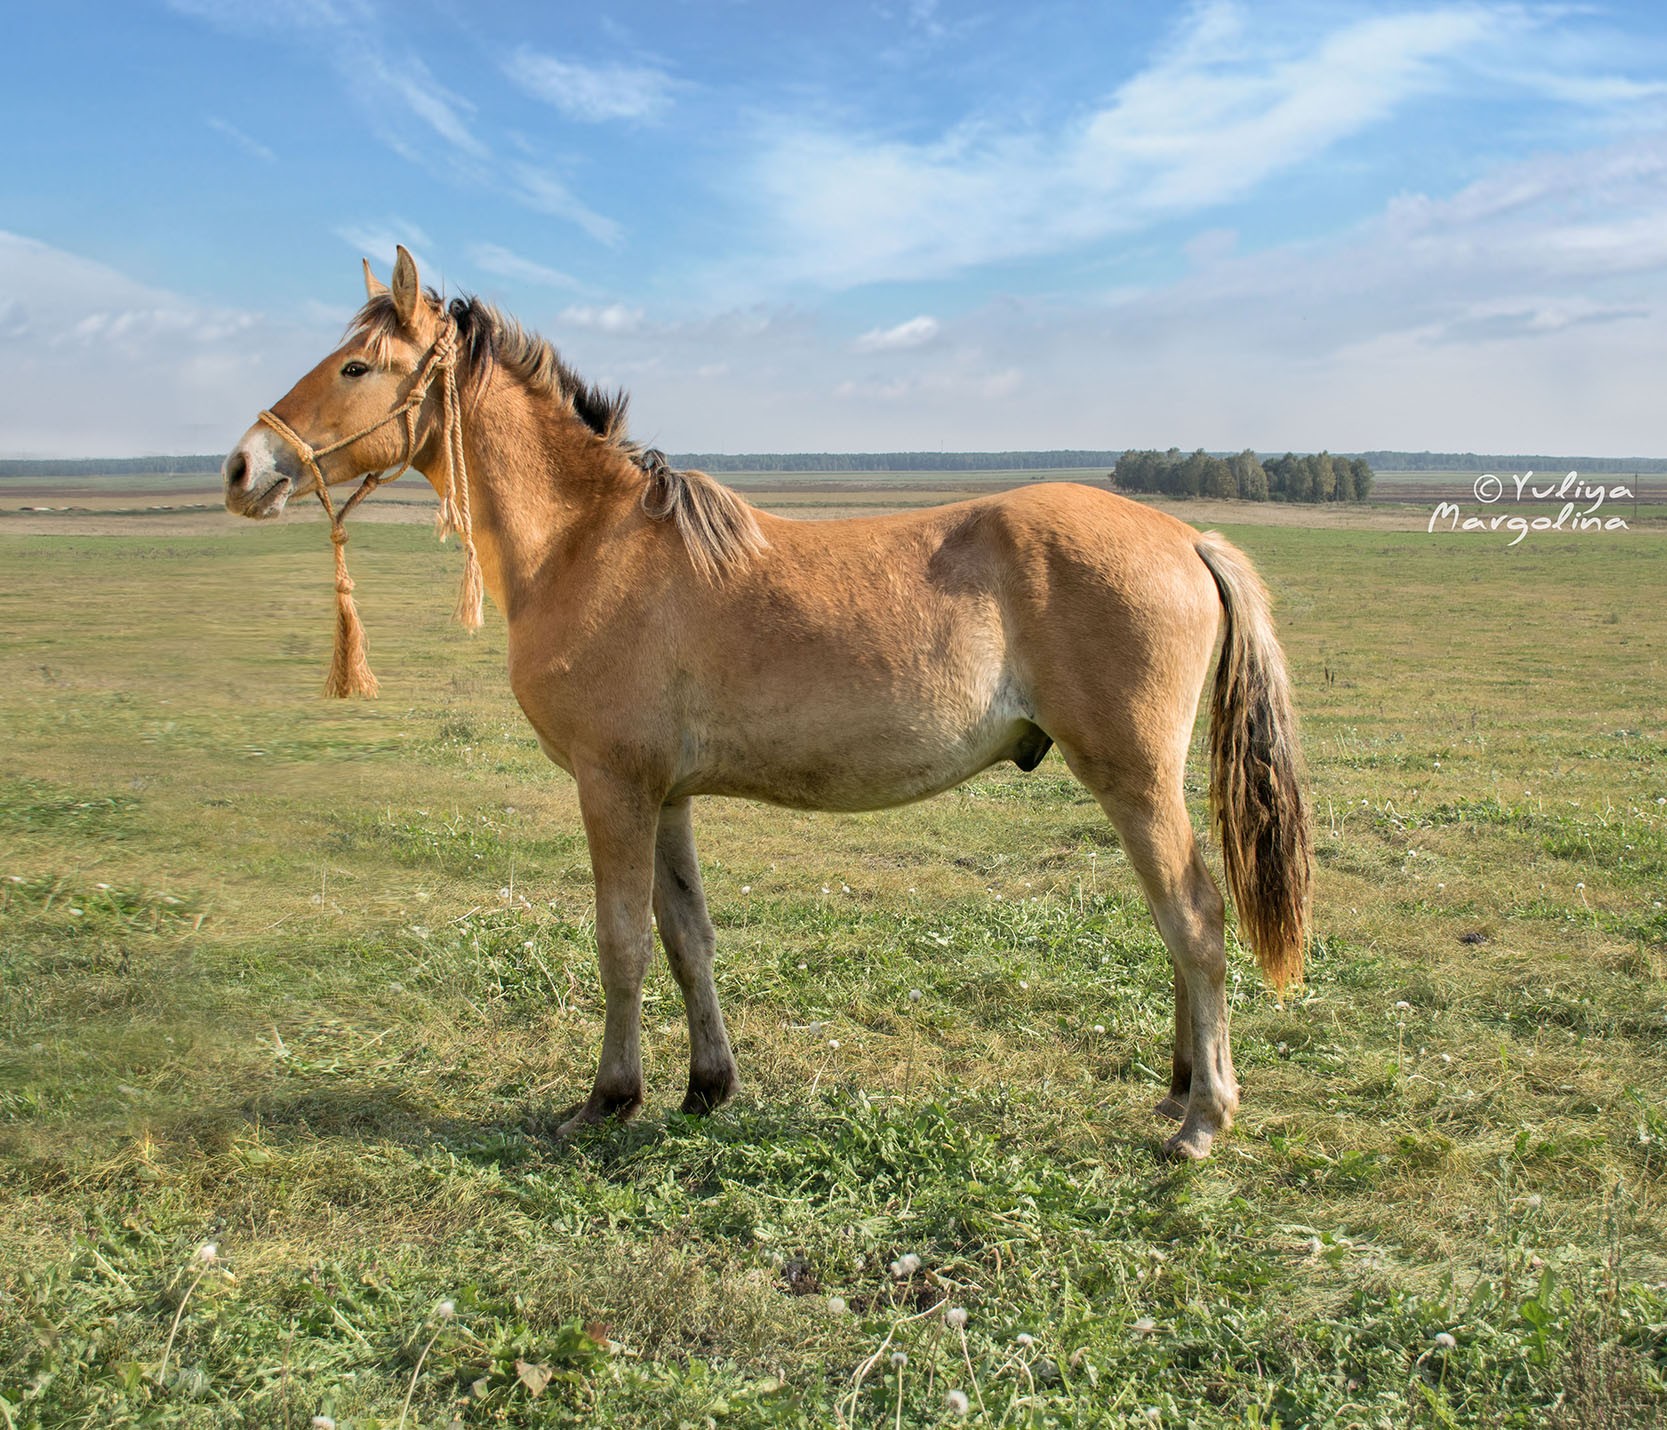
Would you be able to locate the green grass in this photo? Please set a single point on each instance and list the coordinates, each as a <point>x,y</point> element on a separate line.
<point>310,981</point>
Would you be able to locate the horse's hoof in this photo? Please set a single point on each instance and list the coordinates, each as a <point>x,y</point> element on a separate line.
<point>595,1111</point>
<point>1171,1107</point>
<point>1190,1144</point>
<point>709,1094</point>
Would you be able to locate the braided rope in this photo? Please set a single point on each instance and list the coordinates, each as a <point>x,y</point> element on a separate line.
<point>350,672</point>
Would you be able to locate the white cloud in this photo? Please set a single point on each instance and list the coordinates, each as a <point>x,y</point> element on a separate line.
<point>94,363</point>
<point>914,333</point>
<point>1227,106</point>
<point>614,318</point>
<point>593,94</point>
<point>491,258</point>
<point>1519,313</point>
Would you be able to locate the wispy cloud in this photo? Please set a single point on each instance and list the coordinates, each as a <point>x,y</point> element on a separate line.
<point>418,115</point>
<point>377,241</point>
<point>172,374</point>
<point>1226,106</point>
<point>541,190</point>
<point>242,140</point>
<point>491,258</point>
<point>407,88</point>
<point>612,318</point>
<point>912,334</point>
<point>593,94</point>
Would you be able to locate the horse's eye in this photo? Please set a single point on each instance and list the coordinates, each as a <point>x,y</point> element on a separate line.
<point>354,369</point>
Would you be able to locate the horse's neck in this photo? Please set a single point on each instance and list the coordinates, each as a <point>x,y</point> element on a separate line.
<point>535,483</point>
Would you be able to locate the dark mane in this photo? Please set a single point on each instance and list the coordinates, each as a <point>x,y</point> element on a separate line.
<point>718,528</point>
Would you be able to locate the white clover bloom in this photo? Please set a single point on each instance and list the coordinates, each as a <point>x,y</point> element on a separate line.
<point>899,1359</point>
<point>746,888</point>
<point>208,1253</point>
<point>956,1316</point>
<point>836,1305</point>
<point>1444,1340</point>
<point>1099,1030</point>
<point>323,1422</point>
<point>915,995</point>
<point>1025,1339</point>
<point>1144,1326</point>
<point>956,1401</point>
<point>446,1309</point>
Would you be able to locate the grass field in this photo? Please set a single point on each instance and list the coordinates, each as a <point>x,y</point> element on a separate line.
<point>307,981</point>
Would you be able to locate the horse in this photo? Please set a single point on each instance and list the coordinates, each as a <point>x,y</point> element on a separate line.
<point>668,641</point>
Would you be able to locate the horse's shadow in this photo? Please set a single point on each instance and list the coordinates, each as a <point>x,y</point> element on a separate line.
<point>373,1113</point>
<point>386,1114</point>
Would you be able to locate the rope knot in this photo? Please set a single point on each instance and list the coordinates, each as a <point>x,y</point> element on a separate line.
<point>338,534</point>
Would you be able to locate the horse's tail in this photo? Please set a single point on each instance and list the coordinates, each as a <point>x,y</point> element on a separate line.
<point>1256,771</point>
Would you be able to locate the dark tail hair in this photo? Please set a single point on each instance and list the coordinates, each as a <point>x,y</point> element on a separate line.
<point>1256,771</point>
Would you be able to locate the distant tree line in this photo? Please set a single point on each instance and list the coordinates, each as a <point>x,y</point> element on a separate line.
<point>1494,462</point>
<point>109,466</point>
<point>1315,477</point>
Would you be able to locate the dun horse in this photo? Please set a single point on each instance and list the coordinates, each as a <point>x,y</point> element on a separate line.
<point>666,641</point>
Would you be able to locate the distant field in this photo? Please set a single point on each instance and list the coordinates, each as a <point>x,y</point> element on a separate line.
<point>307,980</point>
<point>1410,495</point>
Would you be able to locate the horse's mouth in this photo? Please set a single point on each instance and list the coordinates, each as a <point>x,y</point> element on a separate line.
<point>267,502</point>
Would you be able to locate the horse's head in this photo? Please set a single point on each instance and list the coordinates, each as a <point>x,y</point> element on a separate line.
<point>361,410</point>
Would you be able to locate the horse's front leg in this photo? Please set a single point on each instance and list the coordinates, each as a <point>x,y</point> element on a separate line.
<point>686,931</point>
<point>620,823</point>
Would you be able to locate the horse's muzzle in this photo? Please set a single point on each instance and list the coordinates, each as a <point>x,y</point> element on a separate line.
<point>257,484</point>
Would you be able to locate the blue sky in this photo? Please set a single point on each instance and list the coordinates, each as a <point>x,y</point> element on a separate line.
<point>872,226</point>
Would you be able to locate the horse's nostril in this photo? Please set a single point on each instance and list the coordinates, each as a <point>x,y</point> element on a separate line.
<point>237,468</point>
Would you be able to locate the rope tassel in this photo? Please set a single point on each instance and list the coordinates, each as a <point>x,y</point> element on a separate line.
<point>350,672</point>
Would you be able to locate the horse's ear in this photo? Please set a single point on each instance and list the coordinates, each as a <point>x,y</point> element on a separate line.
<point>374,286</point>
<point>406,290</point>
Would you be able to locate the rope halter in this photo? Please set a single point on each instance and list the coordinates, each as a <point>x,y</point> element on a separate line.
<point>350,672</point>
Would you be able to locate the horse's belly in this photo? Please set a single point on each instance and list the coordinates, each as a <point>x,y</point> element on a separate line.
<point>871,760</point>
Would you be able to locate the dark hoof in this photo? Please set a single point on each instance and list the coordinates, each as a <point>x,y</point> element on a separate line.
<point>596,1110</point>
<point>709,1094</point>
<point>1172,1107</point>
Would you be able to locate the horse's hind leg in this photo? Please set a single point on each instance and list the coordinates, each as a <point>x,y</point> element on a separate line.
<point>686,931</point>
<point>1190,915</point>
<point>1191,918</point>
<point>1173,1104</point>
